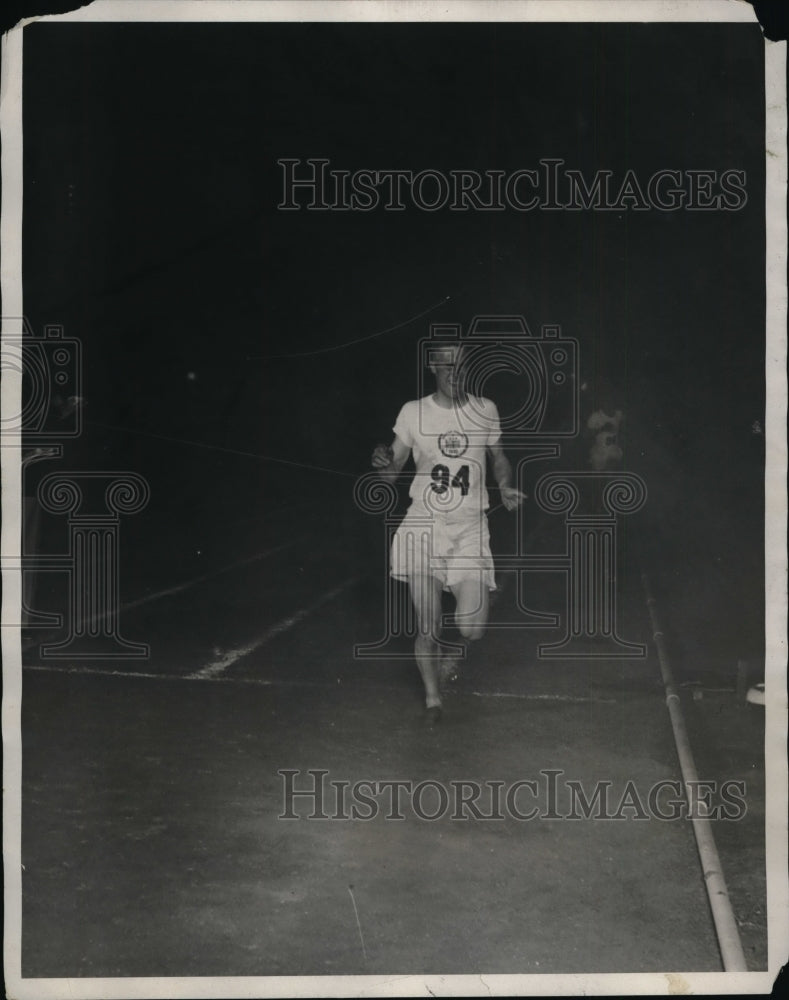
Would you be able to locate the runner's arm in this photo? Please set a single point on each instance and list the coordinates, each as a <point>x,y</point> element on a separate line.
<point>502,470</point>
<point>389,461</point>
<point>502,473</point>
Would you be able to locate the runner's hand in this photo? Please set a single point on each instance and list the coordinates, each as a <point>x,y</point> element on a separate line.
<point>512,498</point>
<point>383,456</point>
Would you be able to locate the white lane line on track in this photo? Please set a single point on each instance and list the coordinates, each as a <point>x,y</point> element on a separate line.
<point>179,588</point>
<point>543,697</point>
<point>218,667</point>
<point>278,682</point>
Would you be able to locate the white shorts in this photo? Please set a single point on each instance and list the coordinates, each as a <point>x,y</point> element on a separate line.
<point>451,551</point>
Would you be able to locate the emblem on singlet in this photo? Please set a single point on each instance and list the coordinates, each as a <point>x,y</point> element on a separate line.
<point>453,444</point>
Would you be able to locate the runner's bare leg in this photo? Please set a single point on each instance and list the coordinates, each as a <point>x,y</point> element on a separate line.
<point>426,594</point>
<point>472,605</point>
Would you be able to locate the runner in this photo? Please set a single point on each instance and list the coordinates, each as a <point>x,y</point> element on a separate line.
<point>443,541</point>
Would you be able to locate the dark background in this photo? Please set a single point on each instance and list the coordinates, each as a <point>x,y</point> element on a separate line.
<point>151,232</point>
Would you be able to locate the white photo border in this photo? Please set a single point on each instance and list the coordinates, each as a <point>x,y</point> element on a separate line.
<point>777,802</point>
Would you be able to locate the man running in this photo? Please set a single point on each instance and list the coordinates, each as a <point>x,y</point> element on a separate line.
<point>443,541</point>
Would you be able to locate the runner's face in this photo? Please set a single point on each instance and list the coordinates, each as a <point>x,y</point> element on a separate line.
<point>447,369</point>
